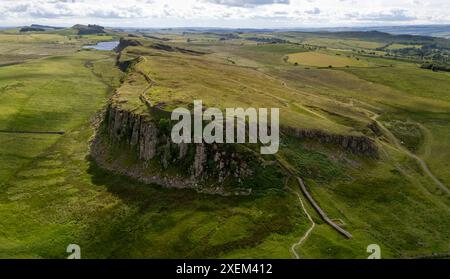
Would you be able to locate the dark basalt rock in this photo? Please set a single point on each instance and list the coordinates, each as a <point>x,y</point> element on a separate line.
<point>151,141</point>
<point>360,145</point>
<point>126,42</point>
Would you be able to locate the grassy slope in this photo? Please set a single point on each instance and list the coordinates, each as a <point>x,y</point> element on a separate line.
<point>17,47</point>
<point>412,83</point>
<point>43,95</point>
<point>397,184</point>
<point>391,201</point>
<point>179,79</point>
<point>51,195</point>
<point>60,198</point>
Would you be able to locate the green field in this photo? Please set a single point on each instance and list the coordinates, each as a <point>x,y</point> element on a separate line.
<point>52,193</point>
<point>318,59</point>
<point>400,46</point>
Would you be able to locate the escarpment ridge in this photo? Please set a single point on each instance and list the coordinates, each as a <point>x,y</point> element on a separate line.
<point>134,138</point>
<point>155,159</point>
<point>357,144</point>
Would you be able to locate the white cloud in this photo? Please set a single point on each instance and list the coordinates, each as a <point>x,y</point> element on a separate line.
<point>224,13</point>
<point>247,3</point>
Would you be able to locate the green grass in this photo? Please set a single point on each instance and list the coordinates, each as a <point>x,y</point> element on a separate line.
<point>343,44</point>
<point>16,47</point>
<point>410,79</point>
<point>52,194</point>
<point>410,134</point>
<point>401,46</point>
<point>263,55</point>
<point>424,100</point>
<point>179,79</point>
<point>369,196</point>
<point>311,163</point>
<point>318,59</point>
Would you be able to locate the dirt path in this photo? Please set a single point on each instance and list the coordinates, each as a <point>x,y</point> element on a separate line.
<point>300,106</point>
<point>393,139</point>
<point>308,232</point>
<point>311,200</point>
<point>399,146</point>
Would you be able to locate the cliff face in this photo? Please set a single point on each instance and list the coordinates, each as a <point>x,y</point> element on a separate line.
<point>360,145</point>
<point>150,143</point>
<point>124,43</point>
<point>194,166</point>
<point>207,168</point>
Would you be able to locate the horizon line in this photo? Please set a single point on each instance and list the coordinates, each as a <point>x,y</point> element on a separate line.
<point>218,27</point>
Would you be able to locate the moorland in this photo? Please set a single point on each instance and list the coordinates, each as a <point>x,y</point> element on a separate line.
<point>365,129</point>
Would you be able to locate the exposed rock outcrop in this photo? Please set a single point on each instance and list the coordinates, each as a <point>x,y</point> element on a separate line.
<point>360,145</point>
<point>200,160</point>
<point>373,126</point>
<point>126,42</point>
<point>175,49</point>
<point>150,142</point>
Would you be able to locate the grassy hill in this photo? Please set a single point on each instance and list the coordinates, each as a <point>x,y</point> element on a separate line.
<point>53,194</point>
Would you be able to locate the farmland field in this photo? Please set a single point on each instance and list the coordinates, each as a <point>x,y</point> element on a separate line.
<point>318,59</point>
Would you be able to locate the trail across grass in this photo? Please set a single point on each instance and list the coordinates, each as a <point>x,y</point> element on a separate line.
<point>307,233</point>
<point>407,152</point>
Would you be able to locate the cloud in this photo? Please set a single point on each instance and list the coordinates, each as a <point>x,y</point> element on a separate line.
<point>114,13</point>
<point>314,11</point>
<point>223,13</point>
<point>393,15</point>
<point>247,3</point>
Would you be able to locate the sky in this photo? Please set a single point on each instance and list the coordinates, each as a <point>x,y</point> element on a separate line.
<point>225,13</point>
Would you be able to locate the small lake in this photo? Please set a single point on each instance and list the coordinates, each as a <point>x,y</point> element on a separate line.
<point>104,45</point>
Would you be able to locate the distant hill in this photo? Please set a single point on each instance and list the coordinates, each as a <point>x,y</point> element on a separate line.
<point>419,30</point>
<point>31,29</point>
<point>47,27</point>
<point>442,31</point>
<point>89,29</point>
<point>39,28</point>
<point>378,36</point>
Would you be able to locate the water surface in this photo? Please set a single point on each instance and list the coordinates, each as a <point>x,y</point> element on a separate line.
<point>104,45</point>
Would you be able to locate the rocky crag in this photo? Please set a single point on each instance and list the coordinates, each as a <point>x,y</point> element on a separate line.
<point>160,161</point>
<point>357,144</point>
<point>139,146</point>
